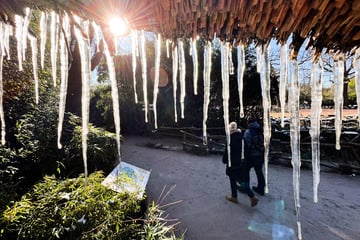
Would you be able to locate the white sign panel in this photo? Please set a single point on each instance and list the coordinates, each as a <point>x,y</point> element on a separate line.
<point>127,177</point>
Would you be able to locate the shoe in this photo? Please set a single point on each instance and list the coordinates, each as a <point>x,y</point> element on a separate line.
<point>231,199</point>
<point>256,189</point>
<point>254,201</point>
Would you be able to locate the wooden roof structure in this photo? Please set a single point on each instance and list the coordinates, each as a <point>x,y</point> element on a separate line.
<point>329,24</point>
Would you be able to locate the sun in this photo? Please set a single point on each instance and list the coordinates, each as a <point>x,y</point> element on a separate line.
<point>118,26</point>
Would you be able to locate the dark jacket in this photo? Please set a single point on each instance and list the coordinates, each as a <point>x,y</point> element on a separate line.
<point>250,151</point>
<point>235,151</point>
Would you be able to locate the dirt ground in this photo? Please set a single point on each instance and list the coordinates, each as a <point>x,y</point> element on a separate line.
<point>325,112</point>
<point>200,184</point>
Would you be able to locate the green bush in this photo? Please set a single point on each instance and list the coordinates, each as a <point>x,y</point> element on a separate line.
<point>70,209</point>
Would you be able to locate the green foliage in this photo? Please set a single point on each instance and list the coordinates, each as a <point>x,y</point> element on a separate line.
<point>71,209</point>
<point>352,91</point>
<point>328,96</point>
<point>102,150</point>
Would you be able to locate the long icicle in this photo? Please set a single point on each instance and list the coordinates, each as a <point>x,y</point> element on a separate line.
<point>316,99</point>
<point>34,53</point>
<point>284,56</point>
<point>225,92</point>
<point>195,64</point>
<point>240,75</point>
<point>206,76</point>
<point>7,33</point>
<point>156,78</point>
<point>182,72</point>
<point>356,65</point>
<point>53,49</point>
<point>114,95</point>
<point>293,105</point>
<point>174,75</point>
<point>144,73</point>
<point>134,42</point>
<point>266,103</point>
<point>84,48</point>
<point>64,63</point>
<point>2,115</point>
<point>338,95</point>
<point>25,31</point>
<point>43,37</point>
<point>19,31</point>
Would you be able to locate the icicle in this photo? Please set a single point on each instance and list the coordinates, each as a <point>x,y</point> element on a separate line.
<point>64,62</point>
<point>43,36</point>
<point>182,71</point>
<point>7,32</point>
<point>114,95</point>
<point>225,92</point>
<point>356,65</point>
<point>167,48</point>
<point>2,116</point>
<point>34,51</point>
<point>283,79</point>
<point>143,70</point>
<point>206,76</point>
<point>240,75</point>
<point>156,78</point>
<point>84,48</point>
<point>25,31</point>
<point>231,64</point>
<point>195,64</point>
<point>316,99</point>
<point>133,50</point>
<point>338,95</point>
<point>293,105</point>
<point>19,37</point>
<point>4,38</point>
<point>174,76</point>
<point>264,67</point>
<point>53,50</point>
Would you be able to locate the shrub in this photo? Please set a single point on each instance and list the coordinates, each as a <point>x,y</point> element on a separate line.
<point>70,209</point>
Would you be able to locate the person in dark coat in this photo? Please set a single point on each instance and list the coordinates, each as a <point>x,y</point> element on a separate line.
<point>254,153</point>
<point>236,171</point>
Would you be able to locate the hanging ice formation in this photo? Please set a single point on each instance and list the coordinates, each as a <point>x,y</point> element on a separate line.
<point>134,44</point>
<point>206,76</point>
<point>316,99</point>
<point>53,38</point>
<point>182,71</point>
<point>174,75</point>
<point>156,78</point>
<point>356,65</point>
<point>338,95</point>
<point>34,53</point>
<point>7,32</point>
<point>231,64</point>
<point>25,31</point>
<point>167,48</point>
<point>263,66</point>
<point>2,116</point>
<point>84,48</point>
<point>43,36</point>
<point>114,95</point>
<point>19,21</point>
<point>283,79</point>
<point>64,63</point>
<point>225,92</point>
<point>293,105</point>
<point>143,71</point>
<point>240,75</point>
<point>195,63</point>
